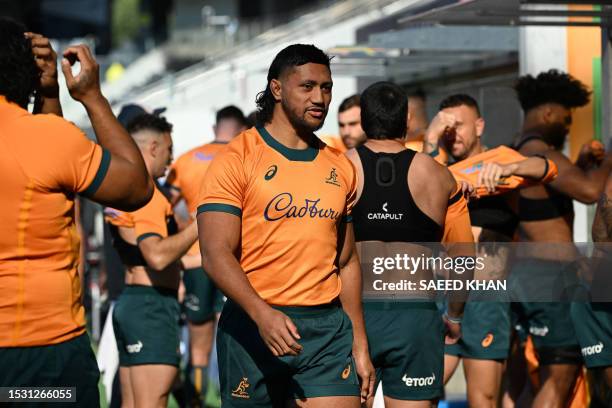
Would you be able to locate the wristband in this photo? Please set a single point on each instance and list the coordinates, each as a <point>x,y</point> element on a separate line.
<point>455,320</point>
<point>541,156</point>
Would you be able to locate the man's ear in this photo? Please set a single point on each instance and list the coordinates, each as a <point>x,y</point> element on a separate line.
<point>480,126</point>
<point>547,114</point>
<point>408,117</point>
<point>276,89</point>
<point>153,148</point>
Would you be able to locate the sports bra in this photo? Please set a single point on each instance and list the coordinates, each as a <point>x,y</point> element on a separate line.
<point>538,209</point>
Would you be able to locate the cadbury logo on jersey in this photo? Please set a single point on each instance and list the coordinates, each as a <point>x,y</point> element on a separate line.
<point>282,206</point>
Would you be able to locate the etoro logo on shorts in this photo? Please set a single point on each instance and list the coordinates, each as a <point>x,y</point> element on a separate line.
<point>539,331</point>
<point>192,302</point>
<point>419,381</point>
<point>594,349</point>
<point>134,348</point>
<point>240,391</point>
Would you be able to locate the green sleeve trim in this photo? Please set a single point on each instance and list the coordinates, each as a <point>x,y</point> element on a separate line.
<point>147,235</point>
<point>220,208</point>
<point>347,219</point>
<point>100,174</point>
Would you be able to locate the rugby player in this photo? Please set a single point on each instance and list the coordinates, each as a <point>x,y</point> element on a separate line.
<point>485,341</point>
<point>202,299</point>
<point>593,321</point>
<point>46,161</point>
<point>349,122</point>
<point>418,138</point>
<point>146,315</point>
<point>406,339</point>
<point>546,216</point>
<point>276,238</point>
<point>417,121</point>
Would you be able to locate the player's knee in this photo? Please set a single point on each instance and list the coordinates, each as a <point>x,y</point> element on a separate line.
<point>482,398</point>
<point>199,358</point>
<point>564,378</point>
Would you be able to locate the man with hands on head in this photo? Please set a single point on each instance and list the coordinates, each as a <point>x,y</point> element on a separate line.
<point>485,343</point>
<point>45,161</point>
<point>276,237</point>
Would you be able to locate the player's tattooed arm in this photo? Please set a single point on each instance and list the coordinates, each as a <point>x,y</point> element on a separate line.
<point>602,224</point>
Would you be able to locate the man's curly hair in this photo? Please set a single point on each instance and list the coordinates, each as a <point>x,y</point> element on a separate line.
<point>19,75</point>
<point>551,86</point>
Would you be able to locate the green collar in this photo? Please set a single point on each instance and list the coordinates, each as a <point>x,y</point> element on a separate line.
<point>308,154</point>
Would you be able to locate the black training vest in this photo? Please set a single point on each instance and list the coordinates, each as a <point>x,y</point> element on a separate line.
<point>386,210</point>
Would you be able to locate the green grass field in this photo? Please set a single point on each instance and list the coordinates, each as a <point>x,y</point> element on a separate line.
<point>212,398</point>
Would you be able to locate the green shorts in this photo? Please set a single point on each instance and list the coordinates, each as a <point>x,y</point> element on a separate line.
<point>146,324</point>
<point>68,364</point>
<point>549,323</point>
<point>593,323</point>
<point>406,341</point>
<point>251,376</point>
<point>202,298</point>
<point>485,332</point>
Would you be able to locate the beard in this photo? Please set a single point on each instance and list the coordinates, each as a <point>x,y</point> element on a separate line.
<point>554,134</point>
<point>299,123</point>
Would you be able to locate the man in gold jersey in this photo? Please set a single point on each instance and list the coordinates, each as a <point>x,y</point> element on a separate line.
<point>276,237</point>
<point>202,298</point>
<point>45,161</point>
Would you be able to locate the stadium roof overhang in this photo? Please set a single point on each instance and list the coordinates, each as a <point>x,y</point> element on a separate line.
<point>509,13</point>
<point>444,38</point>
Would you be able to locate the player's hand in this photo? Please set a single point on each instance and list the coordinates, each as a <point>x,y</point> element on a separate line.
<point>441,124</point>
<point>453,331</point>
<point>491,173</point>
<point>467,190</point>
<point>598,150</point>
<point>46,60</point>
<point>279,333</point>
<point>591,154</point>
<point>86,84</point>
<point>365,372</point>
